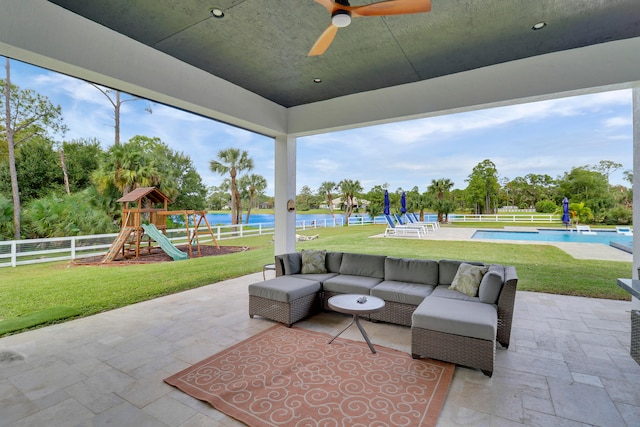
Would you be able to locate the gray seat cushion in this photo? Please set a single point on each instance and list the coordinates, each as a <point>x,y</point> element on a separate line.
<point>284,288</point>
<point>348,284</point>
<point>320,277</point>
<point>402,292</point>
<point>457,317</point>
<point>443,291</point>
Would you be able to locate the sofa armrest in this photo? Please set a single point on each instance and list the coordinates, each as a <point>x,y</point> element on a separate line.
<point>506,303</point>
<point>279,262</point>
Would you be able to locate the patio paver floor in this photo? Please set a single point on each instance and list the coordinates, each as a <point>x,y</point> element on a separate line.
<point>568,363</point>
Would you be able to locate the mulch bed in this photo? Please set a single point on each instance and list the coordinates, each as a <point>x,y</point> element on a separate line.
<point>158,255</point>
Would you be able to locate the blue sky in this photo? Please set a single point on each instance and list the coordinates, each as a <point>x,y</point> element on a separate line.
<point>548,137</point>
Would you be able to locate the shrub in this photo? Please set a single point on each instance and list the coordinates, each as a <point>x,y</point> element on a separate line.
<point>618,216</point>
<point>546,206</point>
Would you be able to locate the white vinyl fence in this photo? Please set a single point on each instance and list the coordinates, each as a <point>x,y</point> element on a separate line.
<point>33,251</point>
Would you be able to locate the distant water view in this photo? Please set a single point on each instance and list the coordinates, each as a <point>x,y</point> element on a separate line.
<point>224,219</point>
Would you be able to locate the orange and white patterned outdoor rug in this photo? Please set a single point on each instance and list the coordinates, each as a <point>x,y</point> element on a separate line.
<point>292,377</point>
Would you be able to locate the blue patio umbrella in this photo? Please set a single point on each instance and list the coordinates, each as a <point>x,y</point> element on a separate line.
<point>566,219</point>
<point>386,211</point>
<point>403,203</point>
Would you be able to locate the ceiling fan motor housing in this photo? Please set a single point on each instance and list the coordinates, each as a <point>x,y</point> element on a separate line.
<point>341,18</point>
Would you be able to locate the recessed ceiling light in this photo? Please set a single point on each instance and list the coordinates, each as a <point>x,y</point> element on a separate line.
<point>317,80</point>
<point>217,13</point>
<point>539,26</point>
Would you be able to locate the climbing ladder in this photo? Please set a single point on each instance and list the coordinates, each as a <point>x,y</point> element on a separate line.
<point>117,244</point>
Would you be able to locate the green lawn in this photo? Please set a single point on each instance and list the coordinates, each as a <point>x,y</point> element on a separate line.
<point>27,290</point>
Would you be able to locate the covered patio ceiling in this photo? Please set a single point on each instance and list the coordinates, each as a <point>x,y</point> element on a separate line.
<point>250,68</point>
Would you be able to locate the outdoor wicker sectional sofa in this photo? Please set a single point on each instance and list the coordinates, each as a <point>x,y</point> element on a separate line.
<point>445,324</point>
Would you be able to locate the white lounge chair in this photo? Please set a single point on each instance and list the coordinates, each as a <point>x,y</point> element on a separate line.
<point>625,230</point>
<point>397,229</point>
<point>584,229</point>
<point>423,227</point>
<point>413,218</point>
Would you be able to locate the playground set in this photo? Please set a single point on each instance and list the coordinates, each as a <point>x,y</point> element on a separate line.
<point>144,221</point>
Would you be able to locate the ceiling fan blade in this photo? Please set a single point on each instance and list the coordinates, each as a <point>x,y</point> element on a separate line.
<point>328,4</point>
<point>324,41</point>
<point>392,7</point>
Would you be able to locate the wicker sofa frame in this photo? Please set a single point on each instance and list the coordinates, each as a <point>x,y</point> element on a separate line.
<point>461,350</point>
<point>285,312</point>
<point>468,351</point>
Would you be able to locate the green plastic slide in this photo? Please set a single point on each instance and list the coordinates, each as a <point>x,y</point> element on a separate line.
<point>166,245</point>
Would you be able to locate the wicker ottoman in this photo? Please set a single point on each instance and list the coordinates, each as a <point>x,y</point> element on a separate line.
<point>284,299</point>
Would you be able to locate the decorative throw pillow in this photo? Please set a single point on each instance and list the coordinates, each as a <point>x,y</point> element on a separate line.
<point>467,279</point>
<point>313,262</point>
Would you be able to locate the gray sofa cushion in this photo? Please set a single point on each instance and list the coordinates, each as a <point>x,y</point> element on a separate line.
<point>411,270</point>
<point>350,284</point>
<point>334,259</point>
<point>402,292</point>
<point>448,268</point>
<point>491,284</point>
<point>443,291</point>
<point>292,263</point>
<point>465,318</point>
<point>284,288</point>
<point>363,265</point>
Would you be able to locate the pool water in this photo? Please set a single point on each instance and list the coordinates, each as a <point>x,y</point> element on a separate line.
<point>601,236</point>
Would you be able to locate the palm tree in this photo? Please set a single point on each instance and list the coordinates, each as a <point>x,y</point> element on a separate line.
<point>233,161</point>
<point>326,189</point>
<point>255,184</point>
<point>349,191</point>
<point>439,187</point>
<point>126,167</point>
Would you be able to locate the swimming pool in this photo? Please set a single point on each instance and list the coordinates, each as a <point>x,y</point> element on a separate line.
<point>543,235</point>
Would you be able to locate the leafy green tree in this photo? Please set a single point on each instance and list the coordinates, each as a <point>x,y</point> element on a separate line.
<point>584,185</point>
<point>483,185</point>
<point>26,115</point>
<point>36,164</point>
<point>6,218</point>
<point>233,161</point>
<point>217,198</point>
<point>375,196</point>
<point>305,199</point>
<point>327,189</point>
<point>350,190</point>
<point>606,168</point>
<point>82,158</point>
<point>254,186</point>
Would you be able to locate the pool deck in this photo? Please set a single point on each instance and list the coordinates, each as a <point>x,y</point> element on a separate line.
<point>594,251</point>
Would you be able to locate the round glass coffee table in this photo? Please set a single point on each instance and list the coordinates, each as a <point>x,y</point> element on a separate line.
<point>355,305</point>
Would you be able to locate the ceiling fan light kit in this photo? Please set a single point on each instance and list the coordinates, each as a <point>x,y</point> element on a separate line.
<point>342,13</point>
<point>341,18</point>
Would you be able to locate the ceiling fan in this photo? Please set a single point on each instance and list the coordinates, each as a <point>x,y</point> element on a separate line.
<point>341,14</point>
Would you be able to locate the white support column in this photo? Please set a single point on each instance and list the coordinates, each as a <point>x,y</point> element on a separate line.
<point>285,190</point>
<point>636,186</point>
